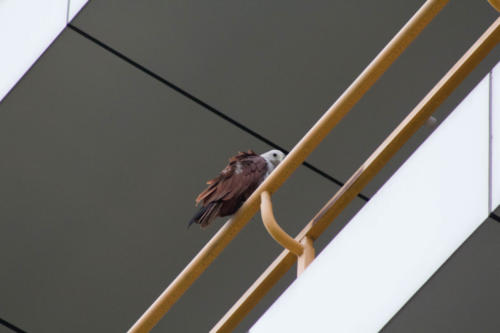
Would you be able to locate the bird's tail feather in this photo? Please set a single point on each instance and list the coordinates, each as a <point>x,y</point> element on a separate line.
<point>205,215</point>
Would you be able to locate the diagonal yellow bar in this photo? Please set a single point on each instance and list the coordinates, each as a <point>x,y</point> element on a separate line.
<point>364,174</point>
<point>495,4</point>
<point>293,160</point>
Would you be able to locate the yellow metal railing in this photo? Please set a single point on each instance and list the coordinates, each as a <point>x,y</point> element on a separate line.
<point>363,175</point>
<point>298,155</point>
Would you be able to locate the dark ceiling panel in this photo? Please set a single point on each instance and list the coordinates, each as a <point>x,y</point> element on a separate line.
<point>99,170</point>
<point>101,163</point>
<point>463,296</point>
<point>277,66</point>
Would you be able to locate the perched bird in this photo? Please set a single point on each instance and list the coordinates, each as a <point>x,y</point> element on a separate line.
<point>228,191</point>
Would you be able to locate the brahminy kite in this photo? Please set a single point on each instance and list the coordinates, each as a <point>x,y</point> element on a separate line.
<point>228,191</point>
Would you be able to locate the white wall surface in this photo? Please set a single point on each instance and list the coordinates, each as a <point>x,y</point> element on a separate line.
<point>74,7</point>
<point>414,223</point>
<point>495,131</point>
<point>27,28</point>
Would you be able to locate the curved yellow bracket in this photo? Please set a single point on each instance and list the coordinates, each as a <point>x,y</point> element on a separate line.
<point>273,227</point>
<point>495,4</point>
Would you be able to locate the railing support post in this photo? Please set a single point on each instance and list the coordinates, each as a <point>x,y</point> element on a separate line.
<point>304,250</point>
<point>307,256</point>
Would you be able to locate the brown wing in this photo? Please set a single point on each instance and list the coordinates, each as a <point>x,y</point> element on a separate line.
<point>231,185</point>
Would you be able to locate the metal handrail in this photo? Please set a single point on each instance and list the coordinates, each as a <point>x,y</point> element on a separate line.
<point>495,4</point>
<point>292,161</point>
<point>364,174</point>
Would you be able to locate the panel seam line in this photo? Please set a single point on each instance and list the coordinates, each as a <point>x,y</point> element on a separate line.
<point>205,105</point>
<point>11,326</point>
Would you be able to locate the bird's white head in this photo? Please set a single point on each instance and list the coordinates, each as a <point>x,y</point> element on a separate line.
<point>273,156</point>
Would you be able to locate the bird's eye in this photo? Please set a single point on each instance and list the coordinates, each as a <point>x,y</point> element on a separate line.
<point>275,155</point>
